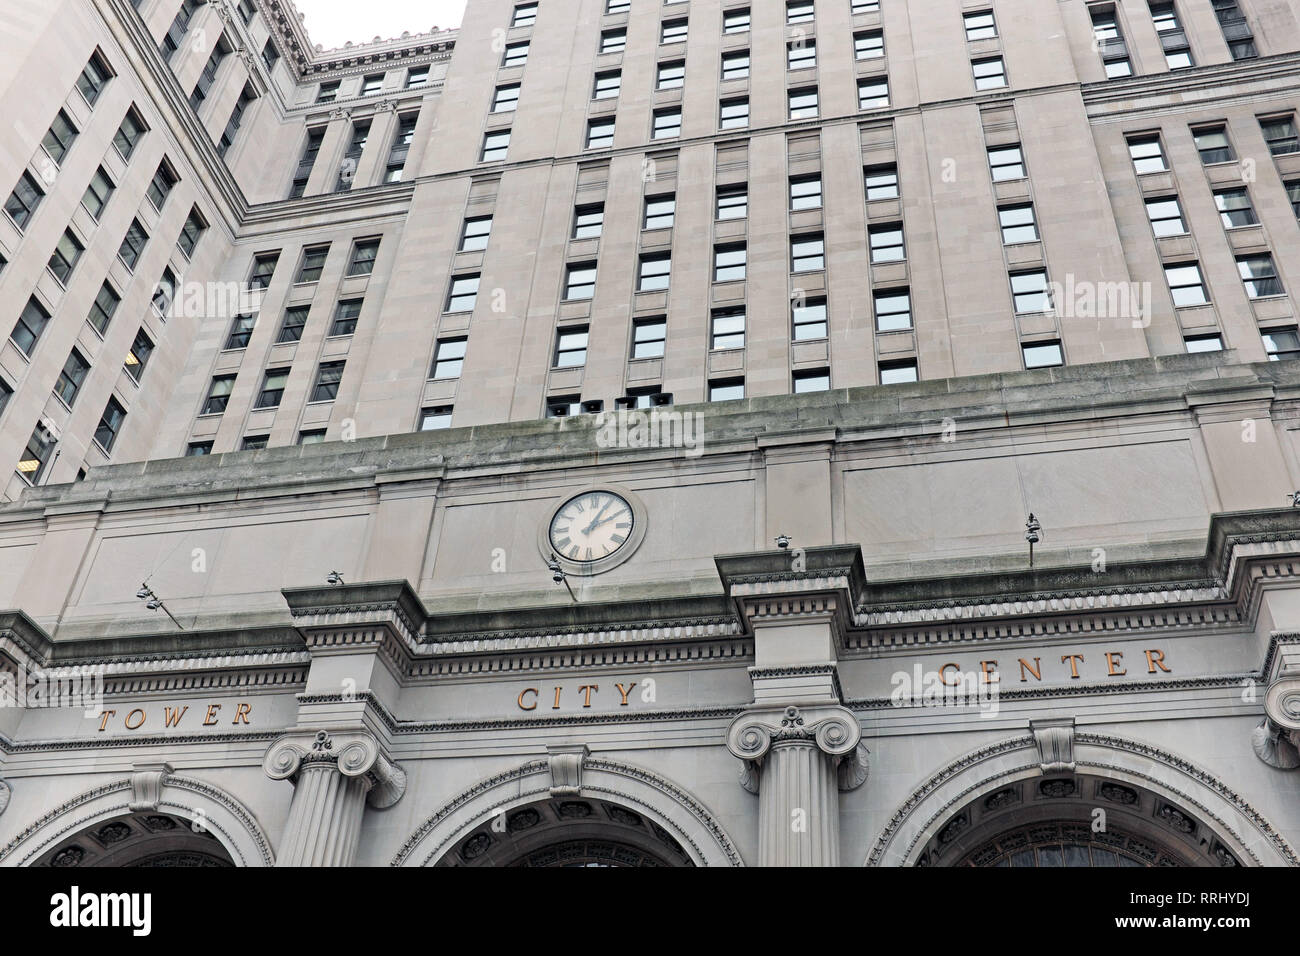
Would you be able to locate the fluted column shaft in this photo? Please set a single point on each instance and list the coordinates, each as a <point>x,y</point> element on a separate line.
<point>799,814</point>
<point>324,818</point>
<point>334,777</point>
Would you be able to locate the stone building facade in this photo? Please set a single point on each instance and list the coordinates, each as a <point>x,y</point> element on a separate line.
<point>472,493</point>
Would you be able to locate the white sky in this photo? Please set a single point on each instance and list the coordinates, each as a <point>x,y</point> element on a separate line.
<point>331,23</point>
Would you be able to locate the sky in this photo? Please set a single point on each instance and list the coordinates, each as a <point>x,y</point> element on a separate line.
<point>331,23</point>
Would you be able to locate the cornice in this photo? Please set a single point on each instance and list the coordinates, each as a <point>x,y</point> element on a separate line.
<point>1134,93</point>
<point>290,35</point>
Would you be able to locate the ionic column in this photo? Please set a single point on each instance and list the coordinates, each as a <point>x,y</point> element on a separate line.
<point>1277,739</point>
<point>798,760</point>
<point>334,777</point>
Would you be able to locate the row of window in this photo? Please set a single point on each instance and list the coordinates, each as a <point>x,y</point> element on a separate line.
<point>1108,37</point>
<point>325,387</point>
<point>398,151</point>
<point>734,19</point>
<point>1213,144</point>
<point>372,84</point>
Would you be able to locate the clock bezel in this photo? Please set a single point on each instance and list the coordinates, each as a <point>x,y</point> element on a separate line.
<point>609,561</point>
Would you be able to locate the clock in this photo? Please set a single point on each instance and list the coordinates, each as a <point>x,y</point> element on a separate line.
<point>594,530</point>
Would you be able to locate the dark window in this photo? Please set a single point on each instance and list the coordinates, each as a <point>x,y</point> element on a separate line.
<point>203,84</point>
<point>345,317</point>
<point>372,84</point>
<point>31,323</point>
<point>218,395</point>
<point>164,291</point>
<point>363,257</point>
<point>129,133</point>
<point>263,269</point>
<point>192,232</point>
<point>97,193</point>
<point>161,185</point>
<point>270,55</point>
<point>94,77</point>
<point>102,309</point>
<point>58,139</point>
<point>311,436</point>
<point>197,449</point>
<point>328,92</point>
<point>1260,275</point>
<point>306,162</point>
<point>175,35</point>
<point>31,464</point>
<point>327,382</point>
<point>401,147</point>
<point>133,244</point>
<point>313,263</point>
<point>1213,144</point>
<point>64,258</point>
<point>1280,135</point>
<point>110,424</point>
<point>70,379</point>
<point>241,330</point>
<point>246,96</point>
<point>22,202</point>
<point>294,320</point>
<point>1281,344</point>
<point>254,442</point>
<point>1234,207</point>
<point>417,76</point>
<point>1236,30</point>
<point>272,392</point>
<point>138,357</point>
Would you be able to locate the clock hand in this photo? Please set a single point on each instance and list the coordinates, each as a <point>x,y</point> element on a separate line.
<point>596,520</point>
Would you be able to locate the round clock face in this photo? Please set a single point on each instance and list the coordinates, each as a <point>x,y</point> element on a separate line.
<point>591,526</point>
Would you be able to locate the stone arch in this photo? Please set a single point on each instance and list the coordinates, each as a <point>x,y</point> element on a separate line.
<point>679,814</point>
<point>194,801</point>
<point>980,774</point>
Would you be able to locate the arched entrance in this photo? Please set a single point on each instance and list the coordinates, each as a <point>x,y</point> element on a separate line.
<point>1076,820</point>
<point>569,832</point>
<point>618,815</point>
<point>140,839</point>
<point>1157,809</point>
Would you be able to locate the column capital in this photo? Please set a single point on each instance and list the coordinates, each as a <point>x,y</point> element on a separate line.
<point>833,730</point>
<point>353,753</point>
